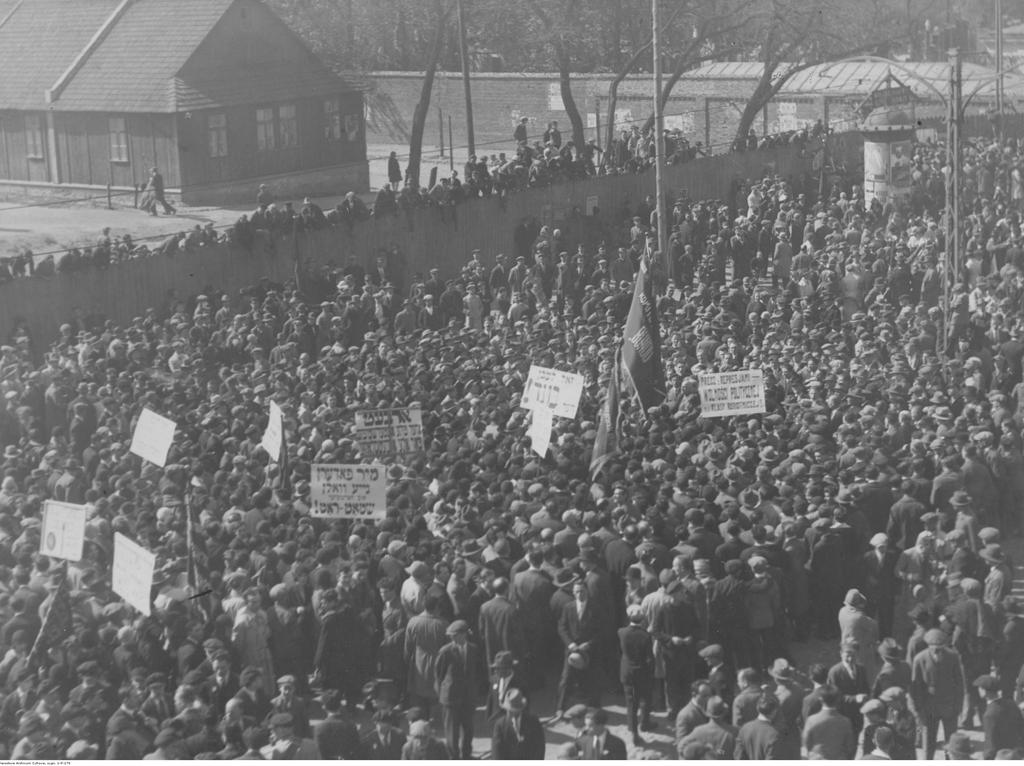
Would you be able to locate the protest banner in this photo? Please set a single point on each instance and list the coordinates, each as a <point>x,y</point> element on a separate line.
<point>552,390</point>
<point>540,431</point>
<point>390,435</point>
<point>339,491</point>
<point>153,437</point>
<point>63,531</point>
<point>132,575</point>
<point>723,394</point>
<point>273,437</point>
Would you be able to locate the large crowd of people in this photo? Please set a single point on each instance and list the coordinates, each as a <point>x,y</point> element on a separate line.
<point>870,505</point>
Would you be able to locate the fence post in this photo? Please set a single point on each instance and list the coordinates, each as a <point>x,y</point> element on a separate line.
<point>110,203</point>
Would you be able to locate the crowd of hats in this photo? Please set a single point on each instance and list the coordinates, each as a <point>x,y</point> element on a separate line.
<point>848,402</point>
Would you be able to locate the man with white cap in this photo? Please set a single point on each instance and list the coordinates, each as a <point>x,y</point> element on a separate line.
<point>879,583</point>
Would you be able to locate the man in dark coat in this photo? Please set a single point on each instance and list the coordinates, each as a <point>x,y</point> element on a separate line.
<point>531,594</point>
<point>851,679</point>
<point>385,741</point>
<point>636,671</point>
<point>579,628</point>
<point>936,688</point>
<point>500,628</point>
<point>517,735</point>
<point>1002,721</point>
<point>597,743</point>
<point>879,583</point>
<point>455,675</point>
<point>757,739</point>
<point>336,736</point>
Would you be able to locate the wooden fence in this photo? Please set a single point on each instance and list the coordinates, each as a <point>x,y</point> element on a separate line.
<point>424,240</point>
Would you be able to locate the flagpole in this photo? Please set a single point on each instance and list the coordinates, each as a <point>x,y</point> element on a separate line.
<point>659,142</point>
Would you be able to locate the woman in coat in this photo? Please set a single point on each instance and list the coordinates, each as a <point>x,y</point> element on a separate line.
<point>341,653</point>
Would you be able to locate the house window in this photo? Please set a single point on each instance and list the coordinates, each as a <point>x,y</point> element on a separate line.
<point>332,119</point>
<point>118,139</point>
<point>217,131</point>
<point>265,138</point>
<point>288,125</point>
<point>352,124</point>
<point>34,136</point>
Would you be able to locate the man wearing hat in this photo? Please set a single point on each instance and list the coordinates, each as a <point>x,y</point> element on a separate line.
<point>579,628</point>
<point>879,583</point>
<point>636,671</point>
<point>503,680</point>
<point>999,580</point>
<point>337,737</point>
<point>287,701</point>
<point>35,742</point>
<point>718,736</point>
<point>517,735</point>
<point>828,733</point>
<point>286,745</point>
<point>424,636</point>
<point>719,675</point>
<point>456,678</point>
<point>936,689</point>
<point>129,735</point>
<point>1002,721</point>
<point>850,678</point>
<point>857,627</point>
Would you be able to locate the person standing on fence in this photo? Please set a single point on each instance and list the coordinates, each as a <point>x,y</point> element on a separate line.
<point>155,194</point>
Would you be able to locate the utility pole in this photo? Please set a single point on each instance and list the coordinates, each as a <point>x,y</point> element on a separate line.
<point>464,55</point>
<point>659,145</point>
<point>999,69</point>
<point>951,266</point>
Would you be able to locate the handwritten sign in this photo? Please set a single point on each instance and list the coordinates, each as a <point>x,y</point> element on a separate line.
<point>132,575</point>
<point>348,491</point>
<point>731,393</point>
<point>273,437</point>
<point>540,431</point>
<point>63,532</point>
<point>153,437</point>
<point>552,390</point>
<point>390,435</point>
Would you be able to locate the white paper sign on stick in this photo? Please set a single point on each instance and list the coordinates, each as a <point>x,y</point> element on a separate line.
<point>540,431</point>
<point>552,390</point>
<point>723,394</point>
<point>274,435</point>
<point>63,532</point>
<point>339,491</point>
<point>132,574</point>
<point>153,437</point>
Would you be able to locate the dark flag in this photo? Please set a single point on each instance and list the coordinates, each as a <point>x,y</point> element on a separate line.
<point>284,465</point>
<point>57,624</point>
<point>641,343</point>
<point>606,444</point>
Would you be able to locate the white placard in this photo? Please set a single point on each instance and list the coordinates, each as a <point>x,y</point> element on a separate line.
<point>390,435</point>
<point>552,390</point>
<point>731,393</point>
<point>132,575</point>
<point>274,435</point>
<point>540,431</point>
<point>153,437</point>
<point>340,491</point>
<point>63,532</point>
<point>555,103</point>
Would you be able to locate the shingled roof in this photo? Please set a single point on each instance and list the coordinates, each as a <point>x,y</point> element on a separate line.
<point>136,63</point>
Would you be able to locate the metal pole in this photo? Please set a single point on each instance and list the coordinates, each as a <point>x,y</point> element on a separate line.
<point>951,260</point>
<point>451,145</point>
<point>999,69</point>
<point>440,129</point>
<point>659,144</point>
<point>464,55</point>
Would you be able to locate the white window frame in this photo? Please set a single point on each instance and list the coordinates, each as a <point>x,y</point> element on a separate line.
<point>117,127</point>
<point>266,131</point>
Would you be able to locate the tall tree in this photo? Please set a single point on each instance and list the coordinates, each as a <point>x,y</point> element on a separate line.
<point>789,36</point>
<point>561,23</point>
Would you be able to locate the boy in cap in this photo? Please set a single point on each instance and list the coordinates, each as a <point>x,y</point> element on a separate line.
<point>287,701</point>
<point>636,671</point>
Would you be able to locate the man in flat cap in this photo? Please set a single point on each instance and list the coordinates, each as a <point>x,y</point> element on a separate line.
<point>285,744</point>
<point>455,674</point>
<point>936,689</point>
